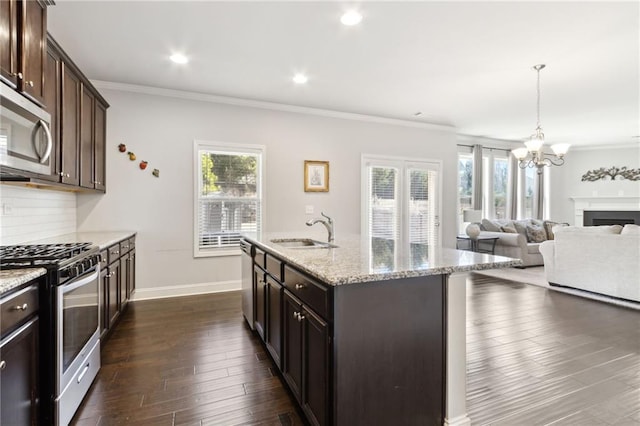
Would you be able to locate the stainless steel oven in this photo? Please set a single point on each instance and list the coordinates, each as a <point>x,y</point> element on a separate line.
<point>77,341</point>
<point>69,335</point>
<point>25,138</point>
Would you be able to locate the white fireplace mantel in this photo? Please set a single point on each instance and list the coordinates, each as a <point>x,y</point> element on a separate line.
<point>613,203</point>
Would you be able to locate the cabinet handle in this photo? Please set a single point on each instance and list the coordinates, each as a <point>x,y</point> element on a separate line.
<point>22,307</point>
<point>300,286</point>
<point>30,83</point>
<point>3,365</point>
<point>117,252</point>
<point>61,174</point>
<point>295,315</point>
<point>300,317</point>
<point>20,75</point>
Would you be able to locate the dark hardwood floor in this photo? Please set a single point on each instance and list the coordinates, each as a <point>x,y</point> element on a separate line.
<point>186,361</point>
<point>534,357</point>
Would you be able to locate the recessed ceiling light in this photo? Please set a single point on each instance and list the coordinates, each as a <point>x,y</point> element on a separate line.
<point>351,18</point>
<point>300,78</point>
<point>179,58</point>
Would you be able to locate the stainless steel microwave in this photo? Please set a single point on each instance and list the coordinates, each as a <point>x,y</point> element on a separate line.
<point>25,138</point>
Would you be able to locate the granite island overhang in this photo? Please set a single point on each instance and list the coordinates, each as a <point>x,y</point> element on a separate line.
<point>369,331</point>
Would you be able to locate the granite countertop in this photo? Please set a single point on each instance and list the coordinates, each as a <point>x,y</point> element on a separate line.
<point>357,260</point>
<point>12,278</point>
<point>98,238</point>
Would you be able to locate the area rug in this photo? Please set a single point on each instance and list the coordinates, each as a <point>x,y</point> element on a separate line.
<point>535,276</point>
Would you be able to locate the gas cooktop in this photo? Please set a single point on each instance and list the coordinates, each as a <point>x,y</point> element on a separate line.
<point>44,254</point>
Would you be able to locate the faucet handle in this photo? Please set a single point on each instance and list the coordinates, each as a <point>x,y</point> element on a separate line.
<point>328,218</point>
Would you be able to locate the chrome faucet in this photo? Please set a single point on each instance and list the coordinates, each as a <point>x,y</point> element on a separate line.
<point>327,224</point>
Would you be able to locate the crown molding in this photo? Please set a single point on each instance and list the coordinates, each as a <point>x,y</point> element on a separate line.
<point>601,147</point>
<point>250,103</point>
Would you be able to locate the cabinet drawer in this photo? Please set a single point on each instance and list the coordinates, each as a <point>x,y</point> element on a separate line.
<point>104,259</point>
<point>124,247</point>
<point>114,253</point>
<point>259,258</point>
<point>312,294</point>
<point>17,307</point>
<point>274,267</point>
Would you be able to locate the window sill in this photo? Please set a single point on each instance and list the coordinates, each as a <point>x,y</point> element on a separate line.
<point>221,252</point>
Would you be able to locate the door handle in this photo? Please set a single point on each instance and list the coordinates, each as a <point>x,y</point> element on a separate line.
<point>47,132</point>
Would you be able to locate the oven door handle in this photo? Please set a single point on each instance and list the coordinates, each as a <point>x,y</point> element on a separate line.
<point>86,280</point>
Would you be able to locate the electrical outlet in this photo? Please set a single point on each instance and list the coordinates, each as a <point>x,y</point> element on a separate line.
<point>308,209</point>
<point>7,209</point>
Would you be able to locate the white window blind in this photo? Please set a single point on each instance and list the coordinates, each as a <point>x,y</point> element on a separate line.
<point>401,205</point>
<point>228,197</point>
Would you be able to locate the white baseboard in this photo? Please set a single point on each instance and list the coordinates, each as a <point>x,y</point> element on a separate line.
<point>185,290</point>
<point>458,421</point>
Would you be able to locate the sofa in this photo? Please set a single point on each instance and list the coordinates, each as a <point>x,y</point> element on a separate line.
<point>519,239</point>
<point>599,259</point>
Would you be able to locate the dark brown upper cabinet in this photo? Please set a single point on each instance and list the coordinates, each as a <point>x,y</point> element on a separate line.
<point>78,122</point>
<point>23,46</point>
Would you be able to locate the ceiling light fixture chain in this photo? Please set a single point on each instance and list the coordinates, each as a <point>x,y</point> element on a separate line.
<point>532,154</point>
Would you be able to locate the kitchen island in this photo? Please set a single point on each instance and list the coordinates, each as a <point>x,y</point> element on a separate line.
<point>367,331</point>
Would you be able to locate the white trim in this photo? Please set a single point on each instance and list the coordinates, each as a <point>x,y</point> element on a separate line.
<point>607,147</point>
<point>179,94</point>
<point>185,290</point>
<point>458,421</point>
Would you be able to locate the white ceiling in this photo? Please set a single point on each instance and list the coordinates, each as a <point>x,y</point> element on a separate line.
<point>468,64</point>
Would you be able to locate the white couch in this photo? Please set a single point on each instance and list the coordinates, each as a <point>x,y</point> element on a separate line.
<point>599,259</point>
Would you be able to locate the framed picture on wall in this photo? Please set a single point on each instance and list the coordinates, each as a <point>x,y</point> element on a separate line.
<point>316,176</point>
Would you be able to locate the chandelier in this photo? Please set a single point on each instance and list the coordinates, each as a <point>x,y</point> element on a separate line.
<point>532,154</point>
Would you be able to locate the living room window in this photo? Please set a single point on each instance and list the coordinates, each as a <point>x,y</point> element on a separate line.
<point>228,196</point>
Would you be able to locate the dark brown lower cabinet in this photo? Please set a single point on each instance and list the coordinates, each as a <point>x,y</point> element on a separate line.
<point>123,281</point>
<point>19,376</point>
<point>260,283</point>
<point>306,358</point>
<point>131,274</point>
<point>273,338</point>
<point>112,285</point>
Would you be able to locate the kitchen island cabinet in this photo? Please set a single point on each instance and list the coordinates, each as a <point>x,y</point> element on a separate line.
<point>374,336</point>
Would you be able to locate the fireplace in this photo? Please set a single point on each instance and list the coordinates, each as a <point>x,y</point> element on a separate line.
<point>620,217</point>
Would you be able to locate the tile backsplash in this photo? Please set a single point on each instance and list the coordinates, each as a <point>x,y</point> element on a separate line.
<point>28,214</point>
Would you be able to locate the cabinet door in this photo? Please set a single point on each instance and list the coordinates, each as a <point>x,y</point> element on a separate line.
<point>19,377</point>
<point>113,302</point>
<point>34,47</point>
<point>131,274</point>
<point>274,319</point>
<point>316,353</point>
<point>103,300</point>
<point>52,104</point>
<point>9,41</point>
<point>100,146</point>
<point>70,126</point>
<point>292,343</point>
<point>122,282</point>
<point>259,321</point>
<point>86,138</point>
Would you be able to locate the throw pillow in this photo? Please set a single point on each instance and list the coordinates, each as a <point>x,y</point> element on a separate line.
<point>509,229</point>
<point>521,226</point>
<point>536,234</point>
<point>490,225</point>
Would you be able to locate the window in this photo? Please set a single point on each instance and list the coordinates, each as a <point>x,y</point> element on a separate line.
<point>465,185</point>
<point>500,176</point>
<point>400,207</point>
<point>529,188</point>
<point>228,201</point>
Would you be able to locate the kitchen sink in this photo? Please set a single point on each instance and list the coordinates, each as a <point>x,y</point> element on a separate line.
<point>302,243</point>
